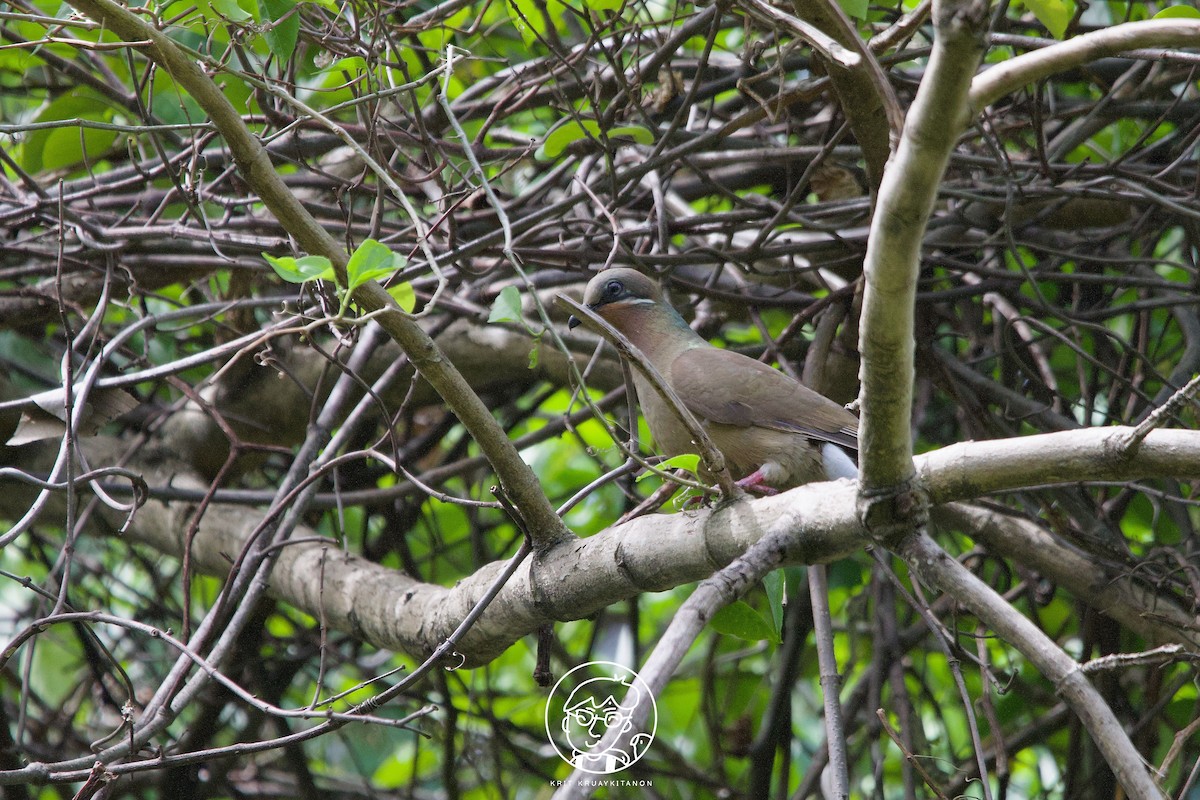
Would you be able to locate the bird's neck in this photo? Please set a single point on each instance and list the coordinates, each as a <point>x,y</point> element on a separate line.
<point>657,330</point>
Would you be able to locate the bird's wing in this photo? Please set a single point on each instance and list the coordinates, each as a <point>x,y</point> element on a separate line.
<point>733,389</point>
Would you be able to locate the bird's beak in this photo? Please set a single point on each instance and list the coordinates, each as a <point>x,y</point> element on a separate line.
<point>574,322</point>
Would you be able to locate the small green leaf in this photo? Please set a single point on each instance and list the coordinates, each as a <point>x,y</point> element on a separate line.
<point>638,133</point>
<point>687,461</point>
<point>57,666</point>
<point>301,270</point>
<point>775,584</point>
<point>740,620</point>
<point>1178,12</point>
<point>231,9</point>
<point>525,18</point>
<point>507,306</point>
<point>562,135</point>
<point>71,144</point>
<point>284,26</point>
<point>604,5</point>
<point>535,351</point>
<point>371,275</point>
<point>855,9</point>
<point>371,260</point>
<point>1054,14</point>
<point>846,573</point>
<point>404,296</point>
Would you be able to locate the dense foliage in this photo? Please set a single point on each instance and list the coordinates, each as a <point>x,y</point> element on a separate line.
<point>478,158</point>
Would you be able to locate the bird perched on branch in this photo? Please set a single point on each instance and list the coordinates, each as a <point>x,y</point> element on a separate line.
<point>774,432</point>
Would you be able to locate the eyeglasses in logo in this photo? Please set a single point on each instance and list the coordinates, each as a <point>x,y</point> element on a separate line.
<point>586,704</point>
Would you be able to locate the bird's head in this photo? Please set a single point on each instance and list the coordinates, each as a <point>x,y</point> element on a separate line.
<point>615,292</point>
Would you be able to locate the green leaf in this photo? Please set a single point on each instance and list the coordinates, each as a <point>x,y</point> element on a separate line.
<point>55,148</point>
<point>57,667</point>
<point>846,573</point>
<point>280,35</point>
<point>562,135</point>
<point>1178,12</point>
<point>301,270</point>
<point>404,296</point>
<point>687,461</point>
<point>371,260</point>
<point>740,620</point>
<point>604,5</point>
<point>855,9</point>
<point>531,18</point>
<point>507,306</point>
<point>535,351</point>
<point>639,134</point>
<point>231,9</point>
<point>775,584</point>
<point>1054,14</point>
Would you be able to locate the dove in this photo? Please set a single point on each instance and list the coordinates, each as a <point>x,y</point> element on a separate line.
<point>774,432</point>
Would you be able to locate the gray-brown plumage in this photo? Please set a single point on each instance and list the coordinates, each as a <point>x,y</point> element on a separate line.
<point>774,432</point>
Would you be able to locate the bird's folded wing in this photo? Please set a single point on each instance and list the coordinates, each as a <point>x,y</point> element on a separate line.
<point>732,389</point>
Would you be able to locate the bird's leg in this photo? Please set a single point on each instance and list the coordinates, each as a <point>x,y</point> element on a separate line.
<point>756,482</point>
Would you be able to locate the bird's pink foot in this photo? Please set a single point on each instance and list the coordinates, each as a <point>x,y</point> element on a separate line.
<point>756,482</point>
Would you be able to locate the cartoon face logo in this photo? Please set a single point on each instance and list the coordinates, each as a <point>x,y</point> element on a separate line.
<point>592,706</point>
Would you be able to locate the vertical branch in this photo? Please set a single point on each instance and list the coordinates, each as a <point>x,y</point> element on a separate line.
<point>936,568</point>
<point>906,198</point>
<point>831,681</point>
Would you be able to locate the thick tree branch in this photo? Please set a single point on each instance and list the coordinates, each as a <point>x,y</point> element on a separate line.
<point>569,581</point>
<point>1010,75</point>
<point>265,409</point>
<point>1083,240</point>
<point>968,470</point>
<point>659,552</point>
<point>906,200</point>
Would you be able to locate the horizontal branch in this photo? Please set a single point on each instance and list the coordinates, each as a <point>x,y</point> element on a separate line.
<point>1010,75</point>
<point>969,470</point>
<point>570,581</point>
<point>654,553</point>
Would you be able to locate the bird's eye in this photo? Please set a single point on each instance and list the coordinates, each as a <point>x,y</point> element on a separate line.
<point>613,288</point>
